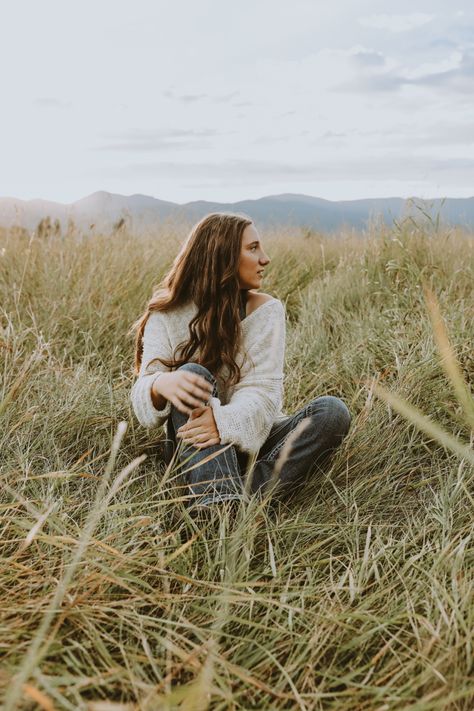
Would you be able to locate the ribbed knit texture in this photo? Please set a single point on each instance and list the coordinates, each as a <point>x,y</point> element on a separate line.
<point>244,413</point>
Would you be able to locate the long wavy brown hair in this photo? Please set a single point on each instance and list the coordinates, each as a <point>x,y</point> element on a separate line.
<point>206,272</point>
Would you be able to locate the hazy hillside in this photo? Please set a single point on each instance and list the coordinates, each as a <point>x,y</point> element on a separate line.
<point>102,211</point>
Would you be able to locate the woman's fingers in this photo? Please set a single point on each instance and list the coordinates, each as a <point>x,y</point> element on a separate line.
<point>199,440</point>
<point>177,403</point>
<point>196,396</point>
<point>181,406</point>
<point>192,436</point>
<point>208,443</point>
<point>198,385</point>
<point>188,399</point>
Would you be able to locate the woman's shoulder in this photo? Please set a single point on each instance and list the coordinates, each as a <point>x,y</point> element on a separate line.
<point>263,312</point>
<point>255,299</point>
<point>264,328</point>
<point>172,319</point>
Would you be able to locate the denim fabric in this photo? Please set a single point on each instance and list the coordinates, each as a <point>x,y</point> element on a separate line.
<point>326,421</point>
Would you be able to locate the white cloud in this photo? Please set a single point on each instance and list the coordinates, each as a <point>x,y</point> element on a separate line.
<point>429,68</point>
<point>50,102</point>
<point>155,95</point>
<point>150,140</point>
<point>397,23</point>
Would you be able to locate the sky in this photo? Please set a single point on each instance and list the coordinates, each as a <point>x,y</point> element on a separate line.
<point>225,101</point>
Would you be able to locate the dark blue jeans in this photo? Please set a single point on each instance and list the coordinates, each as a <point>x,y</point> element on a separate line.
<point>324,423</point>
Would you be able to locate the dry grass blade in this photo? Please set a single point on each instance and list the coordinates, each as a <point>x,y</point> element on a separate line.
<point>448,359</point>
<point>37,527</point>
<point>423,423</point>
<point>38,697</point>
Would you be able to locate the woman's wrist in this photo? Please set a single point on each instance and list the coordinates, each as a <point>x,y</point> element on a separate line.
<point>158,400</point>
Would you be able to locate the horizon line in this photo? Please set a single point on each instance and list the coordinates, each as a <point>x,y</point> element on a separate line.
<point>228,202</point>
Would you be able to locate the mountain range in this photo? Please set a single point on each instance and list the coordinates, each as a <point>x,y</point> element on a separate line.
<point>104,211</point>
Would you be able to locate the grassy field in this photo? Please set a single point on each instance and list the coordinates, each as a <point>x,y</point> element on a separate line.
<point>357,597</point>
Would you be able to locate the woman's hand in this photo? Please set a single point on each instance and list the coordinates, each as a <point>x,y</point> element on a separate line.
<point>185,390</point>
<point>200,430</point>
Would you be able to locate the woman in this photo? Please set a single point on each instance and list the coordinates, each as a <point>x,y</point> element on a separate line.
<point>210,355</point>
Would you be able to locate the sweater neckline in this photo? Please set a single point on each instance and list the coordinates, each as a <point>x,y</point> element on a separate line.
<point>255,311</point>
<point>259,308</point>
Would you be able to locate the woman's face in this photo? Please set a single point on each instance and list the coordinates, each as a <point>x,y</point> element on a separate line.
<point>252,259</point>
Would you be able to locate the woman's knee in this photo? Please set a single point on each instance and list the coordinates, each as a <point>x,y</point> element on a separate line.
<point>336,412</point>
<point>199,369</point>
<point>177,417</point>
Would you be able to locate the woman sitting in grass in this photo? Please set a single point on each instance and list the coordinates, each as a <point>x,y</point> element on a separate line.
<point>209,358</point>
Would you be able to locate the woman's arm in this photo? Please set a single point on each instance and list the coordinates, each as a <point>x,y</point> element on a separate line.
<point>247,419</point>
<point>152,409</point>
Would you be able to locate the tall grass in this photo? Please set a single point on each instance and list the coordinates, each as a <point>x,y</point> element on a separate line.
<point>358,595</point>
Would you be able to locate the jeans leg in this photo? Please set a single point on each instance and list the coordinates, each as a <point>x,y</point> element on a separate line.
<point>169,445</point>
<point>326,421</point>
<point>217,479</point>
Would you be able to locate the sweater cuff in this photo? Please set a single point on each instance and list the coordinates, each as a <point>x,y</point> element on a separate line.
<point>145,411</point>
<point>229,425</point>
<point>167,408</point>
<point>224,424</point>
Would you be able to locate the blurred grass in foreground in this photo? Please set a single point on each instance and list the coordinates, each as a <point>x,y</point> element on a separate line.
<point>359,596</point>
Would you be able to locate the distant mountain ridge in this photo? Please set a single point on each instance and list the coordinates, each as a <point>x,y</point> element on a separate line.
<point>102,211</point>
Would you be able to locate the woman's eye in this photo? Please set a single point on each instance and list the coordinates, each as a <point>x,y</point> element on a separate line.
<point>254,247</point>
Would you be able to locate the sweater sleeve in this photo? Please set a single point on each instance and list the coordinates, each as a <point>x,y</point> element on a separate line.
<point>246,420</point>
<point>156,344</point>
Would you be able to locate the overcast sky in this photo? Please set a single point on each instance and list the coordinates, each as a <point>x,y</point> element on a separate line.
<point>218,100</point>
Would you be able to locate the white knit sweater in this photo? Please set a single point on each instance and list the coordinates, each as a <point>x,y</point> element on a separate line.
<point>244,413</point>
